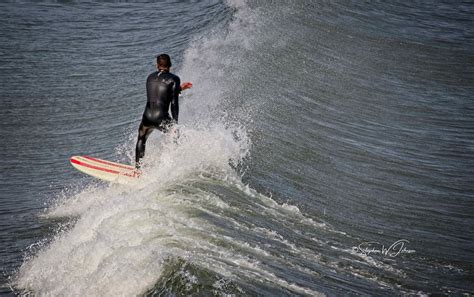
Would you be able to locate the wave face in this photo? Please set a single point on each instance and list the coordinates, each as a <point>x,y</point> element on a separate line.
<point>317,140</point>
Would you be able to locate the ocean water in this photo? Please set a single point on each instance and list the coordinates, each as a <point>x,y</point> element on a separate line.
<point>326,148</point>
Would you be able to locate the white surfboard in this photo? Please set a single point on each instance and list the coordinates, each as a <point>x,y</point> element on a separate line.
<point>106,170</point>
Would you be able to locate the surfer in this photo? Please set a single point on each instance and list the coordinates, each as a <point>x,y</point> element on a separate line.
<point>162,90</point>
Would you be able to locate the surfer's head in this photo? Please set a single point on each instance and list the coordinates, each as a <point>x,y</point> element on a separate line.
<point>163,62</point>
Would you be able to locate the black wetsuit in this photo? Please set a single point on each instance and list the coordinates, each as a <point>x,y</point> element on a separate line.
<point>162,90</point>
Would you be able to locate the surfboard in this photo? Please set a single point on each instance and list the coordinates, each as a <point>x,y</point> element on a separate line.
<point>106,170</point>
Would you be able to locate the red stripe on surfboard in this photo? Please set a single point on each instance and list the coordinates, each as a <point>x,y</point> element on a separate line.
<point>108,163</point>
<point>135,174</point>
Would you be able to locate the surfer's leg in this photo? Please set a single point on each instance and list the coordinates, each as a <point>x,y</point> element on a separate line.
<point>169,126</point>
<point>165,125</point>
<point>143,133</point>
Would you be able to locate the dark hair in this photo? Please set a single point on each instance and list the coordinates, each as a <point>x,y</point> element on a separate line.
<point>163,61</point>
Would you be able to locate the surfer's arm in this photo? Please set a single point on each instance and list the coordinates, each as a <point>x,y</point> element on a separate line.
<point>174,103</point>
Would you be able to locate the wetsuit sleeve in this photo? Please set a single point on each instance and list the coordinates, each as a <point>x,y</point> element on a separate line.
<point>174,103</point>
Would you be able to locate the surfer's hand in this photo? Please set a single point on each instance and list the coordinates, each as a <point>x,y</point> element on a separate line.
<point>186,85</point>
